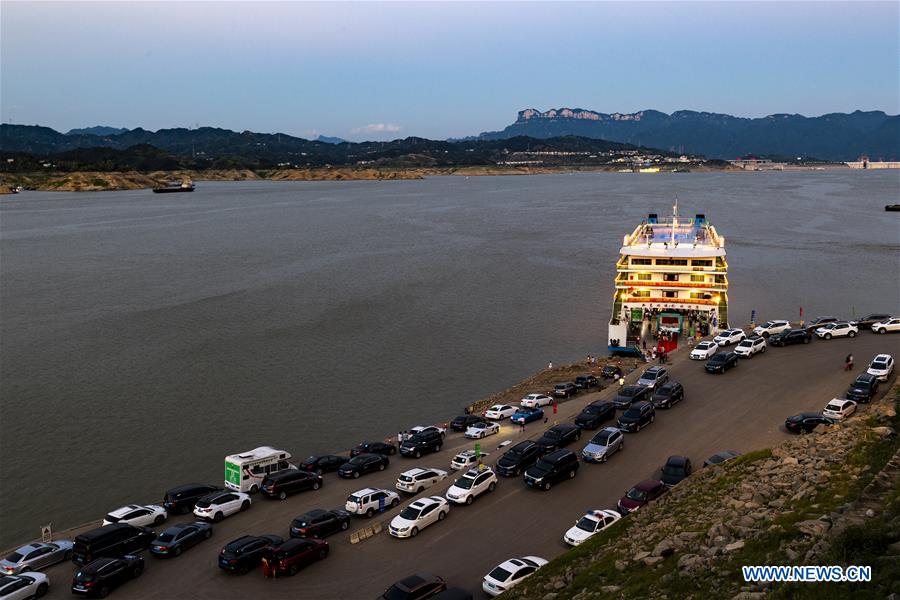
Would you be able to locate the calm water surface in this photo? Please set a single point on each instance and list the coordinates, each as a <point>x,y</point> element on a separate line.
<point>146,336</point>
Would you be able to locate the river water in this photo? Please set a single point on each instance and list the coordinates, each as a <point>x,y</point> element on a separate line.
<point>146,336</point>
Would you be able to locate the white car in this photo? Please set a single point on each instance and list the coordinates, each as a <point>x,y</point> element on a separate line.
<point>590,524</point>
<point>508,574</point>
<point>472,484</point>
<point>500,411</point>
<point>750,346</point>
<point>27,585</point>
<point>704,350</point>
<point>841,329</point>
<point>480,430</point>
<point>419,515</point>
<point>771,328</point>
<point>465,459</point>
<point>421,428</point>
<point>892,324</point>
<point>137,515</point>
<point>218,505</point>
<point>881,366</point>
<point>730,336</point>
<point>839,408</point>
<point>368,501</point>
<point>532,400</point>
<point>416,480</point>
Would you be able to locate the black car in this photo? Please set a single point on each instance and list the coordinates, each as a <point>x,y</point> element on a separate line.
<point>611,372</point>
<point>110,541</point>
<point>552,468</point>
<point>791,336</point>
<point>637,417</point>
<point>462,422</point>
<point>676,469</point>
<point>289,481</point>
<point>320,523</point>
<point>518,458</point>
<point>870,320</point>
<point>721,362</point>
<point>558,436</point>
<point>415,587</point>
<point>595,413</point>
<point>327,463</point>
<point>99,577</point>
<point>721,457</point>
<point>819,321</point>
<point>421,443</point>
<point>362,464</point>
<point>631,393</point>
<point>806,422</point>
<point>584,382</point>
<point>863,389</point>
<point>564,390</point>
<point>181,499</point>
<point>246,552</point>
<point>373,448</point>
<point>176,539</point>
<point>668,395</point>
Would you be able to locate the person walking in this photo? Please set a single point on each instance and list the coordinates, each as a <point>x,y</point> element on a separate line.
<point>522,426</point>
<point>550,365</point>
<point>848,362</point>
<point>399,438</point>
<point>268,569</point>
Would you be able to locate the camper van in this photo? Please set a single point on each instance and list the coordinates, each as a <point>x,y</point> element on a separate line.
<point>244,472</point>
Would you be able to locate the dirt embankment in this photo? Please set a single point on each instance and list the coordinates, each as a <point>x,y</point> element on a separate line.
<point>95,181</point>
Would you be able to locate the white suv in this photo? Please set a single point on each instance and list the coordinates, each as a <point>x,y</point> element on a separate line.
<point>729,336</point>
<point>772,327</point>
<point>881,366</point>
<point>419,515</point>
<point>892,324</point>
<point>464,459</point>
<point>371,500</point>
<point>842,329</point>
<point>748,347</point>
<point>218,505</point>
<point>416,480</point>
<point>472,484</point>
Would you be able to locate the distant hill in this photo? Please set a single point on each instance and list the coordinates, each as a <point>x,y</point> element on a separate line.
<point>330,140</point>
<point>836,136</point>
<point>99,130</point>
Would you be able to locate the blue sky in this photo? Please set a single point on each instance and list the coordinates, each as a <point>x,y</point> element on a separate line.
<point>382,70</point>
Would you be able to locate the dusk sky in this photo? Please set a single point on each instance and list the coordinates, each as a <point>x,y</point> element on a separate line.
<point>383,70</point>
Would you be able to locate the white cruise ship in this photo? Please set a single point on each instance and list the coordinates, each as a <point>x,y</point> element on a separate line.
<point>672,278</point>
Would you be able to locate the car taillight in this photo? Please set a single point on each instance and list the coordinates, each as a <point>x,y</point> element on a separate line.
<point>282,564</point>
<point>303,530</point>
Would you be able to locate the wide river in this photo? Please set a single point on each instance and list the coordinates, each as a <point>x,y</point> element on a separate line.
<point>146,336</point>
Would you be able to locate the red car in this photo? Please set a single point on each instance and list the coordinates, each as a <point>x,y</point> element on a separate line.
<point>641,494</point>
<point>293,555</point>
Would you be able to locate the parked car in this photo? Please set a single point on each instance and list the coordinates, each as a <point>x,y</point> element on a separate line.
<point>584,382</point>
<point>27,585</point>
<point>181,499</point>
<point>729,336</point>
<point>869,320</point>
<point>654,377</point>
<point>463,422</point>
<point>629,394</point>
<point>668,395</point>
<point>480,430</point>
<point>721,362</point>
<point>415,587</point>
<point>320,523</point>
<point>552,468</point>
<point>771,328</point>
<point>527,415</point>
<point>419,515</point>
<point>416,480</point>
<point>590,525</point>
<point>532,400</point>
<point>791,336</point>
<point>472,484</point>
<point>640,495</point>
<point>604,444</point>
<point>558,436</point>
<point>294,554</point>
<point>510,573</point>
<point>890,325</point>
<point>110,541</point>
<point>564,390</point>
<point>362,464</point>
<point>500,411</point>
<point>839,408</point>
<point>368,501</point>
<point>806,422</point>
<point>466,459</point>
<point>863,389</point>
<point>721,457</point>
<point>246,552</point>
<point>819,322</point>
<point>137,515</point>
<point>676,470</point>
<point>326,463</point>
<point>33,557</point>
<point>218,505</point>
<point>289,481</point>
<point>704,350</point>
<point>422,428</point>
<point>99,577</point>
<point>881,367</point>
<point>595,413</point>
<point>751,346</point>
<point>179,537</point>
<point>518,458</point>
<point>637,417</point>
<point>382,448</point>
<point>833,330</point>
<point>611,372</point>
<point>424,442</point>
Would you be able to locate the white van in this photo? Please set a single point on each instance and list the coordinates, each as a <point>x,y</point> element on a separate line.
<point>245,471</point>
